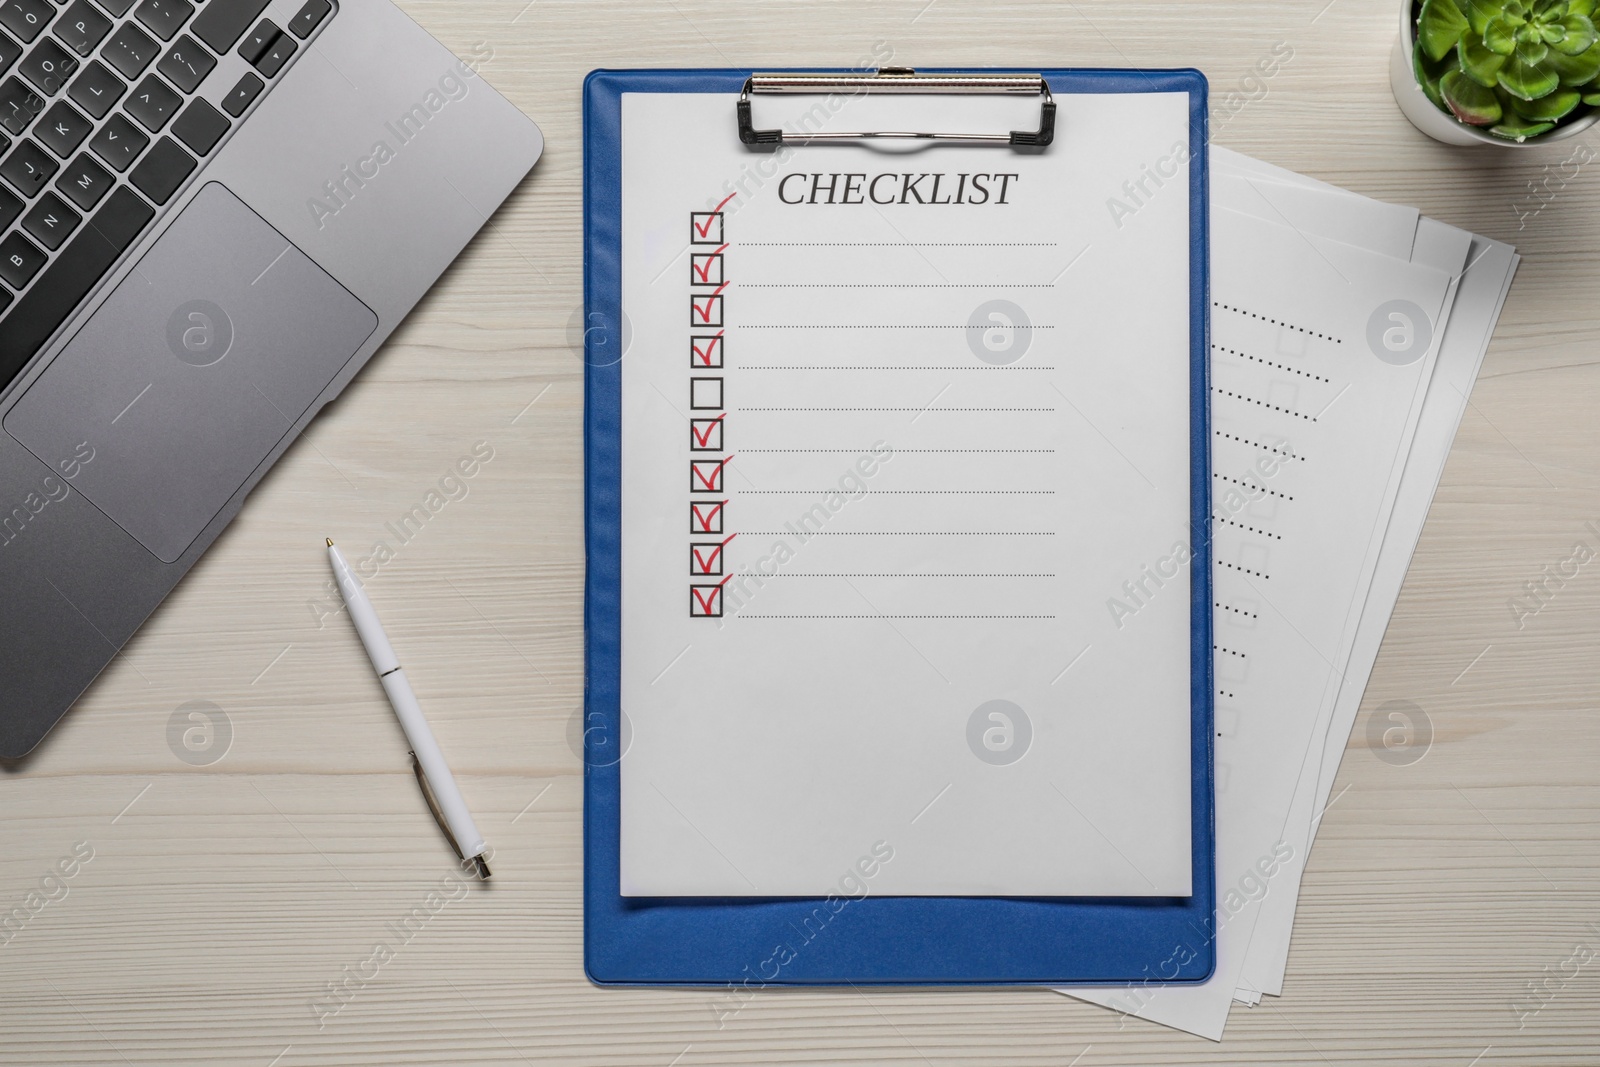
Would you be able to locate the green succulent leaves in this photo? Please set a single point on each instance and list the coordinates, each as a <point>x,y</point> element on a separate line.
<point>1515,67</point>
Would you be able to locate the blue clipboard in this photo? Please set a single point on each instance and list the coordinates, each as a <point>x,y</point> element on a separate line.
<point>755,942</point>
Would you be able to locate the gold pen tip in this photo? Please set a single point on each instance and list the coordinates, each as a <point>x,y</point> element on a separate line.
<point>330,542</point>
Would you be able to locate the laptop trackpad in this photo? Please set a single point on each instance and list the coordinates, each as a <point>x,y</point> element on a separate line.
<point>191,371</point>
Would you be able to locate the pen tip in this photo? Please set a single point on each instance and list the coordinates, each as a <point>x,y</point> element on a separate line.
<point>483,868</point>
<point>330,542</point>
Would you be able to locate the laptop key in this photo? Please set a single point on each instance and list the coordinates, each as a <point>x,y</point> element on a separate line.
<point>222,21</point>
<point>153,103</point>
<point>19,105</point>
<point>27,168</point>
<point>20,260</point>
<point>26,18</point>
<point>200,127</point>
<point>164,17</point>
<point>10,208</point>
<point>51,220</point>
<point>255,46</point>
<point>62,129</point>
<point>283,47</point>
<point>308,18</point>
<point>130,51</point>
<point>96,90</point>
<point>160,173</point>
<point>84,182</point>
<point>48,67</point>
<point>240,95</point>
<point>82,27</point>
<point>10,52</point>
<point>119,142</point>
<point>186,64</point>
<point>118,8</point>
<point>78,266</point>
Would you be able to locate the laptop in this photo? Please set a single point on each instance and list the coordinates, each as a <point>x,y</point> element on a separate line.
<point>211,215</point>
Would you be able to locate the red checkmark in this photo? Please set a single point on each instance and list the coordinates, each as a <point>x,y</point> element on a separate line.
<point>707,564</point>
<point>704,520</point>
<point>701,439</point>
<point>708,602</point>
<point>712,484</point>
<point>704,272</point>
<point>702,305</point>
<point>708,353</point>
<point>703,230</point>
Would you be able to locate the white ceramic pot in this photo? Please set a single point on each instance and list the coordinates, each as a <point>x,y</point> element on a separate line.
<point>1416,106</point>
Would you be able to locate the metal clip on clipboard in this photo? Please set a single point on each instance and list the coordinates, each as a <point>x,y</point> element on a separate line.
<point>901,81</point>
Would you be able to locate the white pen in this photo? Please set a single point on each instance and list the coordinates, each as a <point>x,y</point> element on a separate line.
<point>433,774</point>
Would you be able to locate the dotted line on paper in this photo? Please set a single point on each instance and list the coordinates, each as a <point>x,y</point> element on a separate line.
<point>1246,485</point>
<point>1229,651</point>
<point>896,409</point>
<point>1252,529</point>
<point>1236,611</point>
<point>1264,404</point>
<point>1269,363</point>
<point>840,366</point>
<point>1243,570</point>
<point>904,492</point>
<point>896,285</point>
<point>1275,322</point>
<point>898,244</point>
<point>1230,696</point>
<point>878,574</point>
<point>743,616</point>
<point>1252,444</point>
<point>898,451</point>
<point>904,533</point>
<point>874,326</point>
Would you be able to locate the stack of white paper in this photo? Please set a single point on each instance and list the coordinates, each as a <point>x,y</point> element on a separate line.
<point>1346,336</point>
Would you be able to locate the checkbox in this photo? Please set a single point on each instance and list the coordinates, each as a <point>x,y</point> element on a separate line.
<point>705,394</point>
<point>705,516</point>
<point>1227,722</point>
<point>705,268</point>
<point>705,601</point>
<point>1231,668</point>
<point>705,475</point>
<point>705,558</point>
<point>707,351</point>
<point>705,227</point>
<point>1253,559</point>
<point>705,435</point>
<point>705,310</point>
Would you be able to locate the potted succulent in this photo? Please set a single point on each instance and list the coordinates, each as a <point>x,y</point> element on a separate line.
<point>1508,72</point>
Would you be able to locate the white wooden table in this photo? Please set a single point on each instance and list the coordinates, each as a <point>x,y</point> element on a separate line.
<point>223,899</point>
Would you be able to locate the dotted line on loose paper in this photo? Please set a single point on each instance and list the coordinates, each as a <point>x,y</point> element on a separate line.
<point>1263,403</point>
<point>1243,570</point>
<point>1236,611</point>
<point>874,326</point>
<point>743,616</point>
<point>1246,441</point>
<point>899,451</point>
<point>1269,363</point>
<point>1248,485</point>
<point>1229,651</point>
<point>1275,322</point>
<point>840,366</point>
<point>898,244</point>
<point>1252,529</point>
<point>897,285</point>
<point>904,533</point>
<point>904,492</point>
<point>880,574</point>
<point>896,409</point>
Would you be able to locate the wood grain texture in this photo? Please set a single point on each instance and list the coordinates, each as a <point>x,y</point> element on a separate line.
<point>222,900</point>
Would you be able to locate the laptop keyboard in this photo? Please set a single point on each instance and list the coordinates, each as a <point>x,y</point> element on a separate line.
<point>101,125</point>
